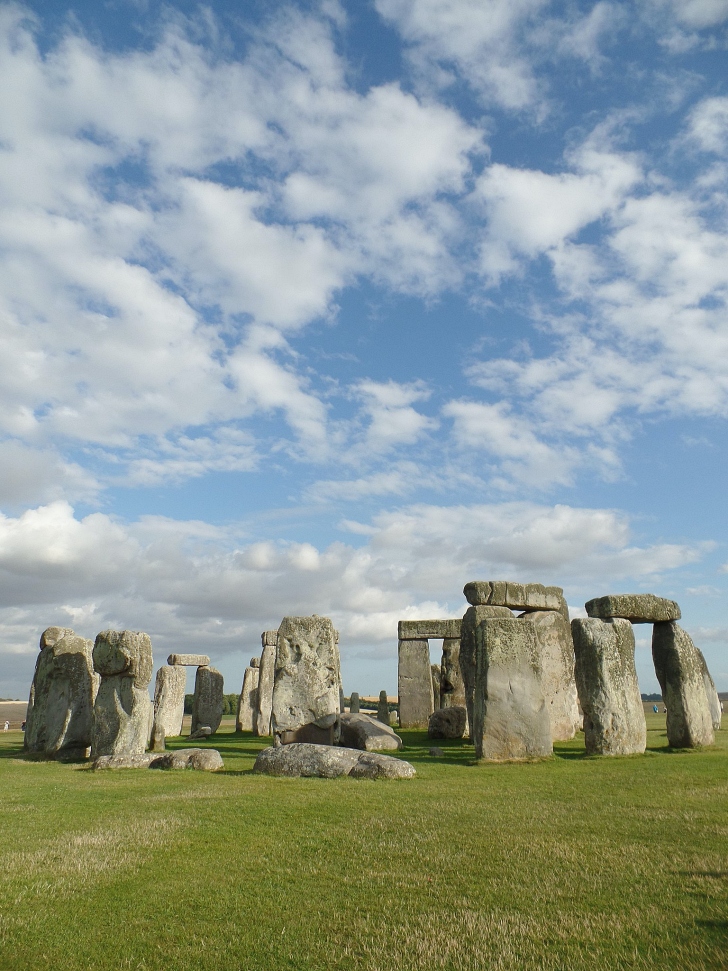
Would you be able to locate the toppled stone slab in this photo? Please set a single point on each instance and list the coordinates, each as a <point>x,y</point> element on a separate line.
<point>414,682</point>
<point>123,710</point>
<point>447,722</point>
<point>466,655</point>
<point>266,680</point>
<point>557,671</point>
<point>361,731</point>
<point>205,760</point>
<point>606,679</point>
<point>417,630</point>
<point>711,693</point>
<point>329,762</point>
<point>248,699</point>
<point>680,673</point>
<point>517,596</point>
<point>209,699</point>
<point>510,719</point>
<point>169,700</point>
<point>189,660</point>
<point>638,608</point>
<point>204,731</point>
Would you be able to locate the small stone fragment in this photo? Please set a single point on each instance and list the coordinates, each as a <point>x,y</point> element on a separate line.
<point>204,731</point>
<point>638,608</point>
<point>364,732</point>
<point>447,722</point>
<point>680,673</point>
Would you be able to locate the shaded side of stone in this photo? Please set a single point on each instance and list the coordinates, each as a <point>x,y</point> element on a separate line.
<point>710,692</point>
<point>473,616</point>
<point>248,700</point>
<point>447,722</point>
<point>680,673</point>
<point>436,676</point>
<point>414,681</point>
<point>557,672</point>
<point>266,680</point>
<point>369,734</point>
<point>606,680</point>
<point>639,608</point>
<point>208,700</point>
<point>510,719</point>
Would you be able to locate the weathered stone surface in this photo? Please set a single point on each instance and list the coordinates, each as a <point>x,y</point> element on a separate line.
<point>639,608</point>
<point>711,693</point>
<point>436,752</point>
<point>307,679</point>
<point>418,630</point>
<point>436,675</point>
<point>123,710</point>
<point>60,711</point>
<point>517,596</point>
<point>204,731</point>
<point>606,680</point>
<point>473,616</point>
<point>189,660</point>
<point>510,719</point>
<point>364,732</point>
<point>255,662</point>
<point>157,743</point>
<point>248,700</point>
<point>383,712</point>
<point>169,700</point>
<point>329,762</point>
<point>354,703</point>
<point>452,690</point>
<point>557,672</point>
<point>680,673</point>
<point>206,760</point>
<point>266,680</point>
<point>207,703</point>
<point>269,638</point>
<point>414,682</point>
<point>448,722</point>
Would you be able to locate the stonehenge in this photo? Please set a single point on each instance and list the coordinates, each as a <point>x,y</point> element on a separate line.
<point>169,700</point>
<point>207,703</point>
<point>680,672</point>
<point>248,700</point>
<point>364,732</point>
<point>414,681</point>
<point>327,762</point>
<point>122,722</point>
<point>556,647</point>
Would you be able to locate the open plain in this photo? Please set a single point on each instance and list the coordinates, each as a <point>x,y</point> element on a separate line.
<point>568,863</point>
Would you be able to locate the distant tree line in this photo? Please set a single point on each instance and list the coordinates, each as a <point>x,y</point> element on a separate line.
<point>651,697</point>
<point>229,704</point>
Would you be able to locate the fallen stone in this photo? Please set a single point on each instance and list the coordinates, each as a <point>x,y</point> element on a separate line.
<point>466,655</point>
<point>510,719</point>
<point>189,660</point>
<point>206,760</point>
<point>60,709</point>
<point>517,596</point>
<point>436,752</point>
<point>364,732</point>
<point>329,762</point>
<point>209,699</point>
<point>557,672</point>
<point>123,711</point>
<point>710,692</point>
<point>638,608</point>
<point>383,713</point>
<point>266,680</point>
<point>307,679</point>
<point>419,630</point>
<point>354,703</point>
<point>680,673</point>
<point>606,680</point>
<point>204,731</point>
<point>248,700</point>
<point>169,700</point>
<point>447,722</point>
<point>414,683</point>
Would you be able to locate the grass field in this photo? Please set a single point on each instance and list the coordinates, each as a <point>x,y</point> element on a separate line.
<point>571,863</point>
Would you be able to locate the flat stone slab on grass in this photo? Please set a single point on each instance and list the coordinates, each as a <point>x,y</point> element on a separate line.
<point>189,660</point>
<point>517,596</point>
<point>329,762</point>
<point>638,608</point>
<point>363,732</point>
<point>205,760</point>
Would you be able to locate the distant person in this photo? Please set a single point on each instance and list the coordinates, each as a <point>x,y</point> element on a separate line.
<point>655,709</point>
<point>7,725</point>
<point>22,726</point>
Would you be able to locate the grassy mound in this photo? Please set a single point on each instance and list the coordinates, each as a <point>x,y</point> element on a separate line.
<point>570,863</point>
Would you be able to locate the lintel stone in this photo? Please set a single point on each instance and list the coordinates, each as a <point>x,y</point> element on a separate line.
<point>189,660</point>
<point>517,596</point>
<point>422,630</point>
<point>639,608</point>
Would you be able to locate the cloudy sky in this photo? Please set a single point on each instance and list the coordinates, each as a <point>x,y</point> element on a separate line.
<point>330,307</point>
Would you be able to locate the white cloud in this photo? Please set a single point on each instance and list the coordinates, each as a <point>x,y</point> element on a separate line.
<point>708,125</point>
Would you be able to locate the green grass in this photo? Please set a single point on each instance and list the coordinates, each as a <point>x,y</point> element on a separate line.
<point>570,863</point>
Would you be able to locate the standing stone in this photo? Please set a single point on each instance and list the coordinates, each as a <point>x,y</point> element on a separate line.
<point>510,718</point>
<point>207,703</point>
<point>414,682</point>
<point>60,711</point>
<point>169,700</point>
<point>123,709</point>
<point>342,705</point>
<point>710,692</point>
<point>452,690</point>
<point>557,672</point>
<point>447,722</point>
<point>473,616</point>
<point>307,679</point>
<point>248,700</point>
<point>680,673</point>
<point>354,703</point>
<point>266,680</point>
<point>383,709</point>
<point>606,680</point>
<point>436,675</point>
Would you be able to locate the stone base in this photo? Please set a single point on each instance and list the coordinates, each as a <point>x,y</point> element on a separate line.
<point>307,733</point>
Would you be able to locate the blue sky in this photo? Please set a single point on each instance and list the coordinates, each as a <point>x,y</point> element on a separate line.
<point>332,307</point>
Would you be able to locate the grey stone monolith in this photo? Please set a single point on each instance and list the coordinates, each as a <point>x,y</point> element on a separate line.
<point>606,680</point>
<point>266,680</point>
<point>510,718</point>
<point>248,700</point>
<point>466,656</point>
<point>711,692</point>
<point>307,680</point>
<point>60,711</point>
<point>414,683</point>
<point>383,714</point>
<point>123,710</point>
<point>447,722</point>
<point>452,690</point>
<point>680,673</point>
<point>208,700</point>
<point>557,672</point>
<point>169,700</point>
<point>436,675</point>
<point>354,703</point>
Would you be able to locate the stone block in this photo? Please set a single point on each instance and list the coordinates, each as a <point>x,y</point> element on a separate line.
<point>264,701</point>
<point>207,703</point>
<point>330,762</point>
<point>680,673</point>
<point>189,660</point>
<point>416,702</point>
<point>606,680</point>
<point>383,712</point>
<point>516,596</point>
<point>169,700</point>
<point>557,672</point>
<point>510,719</point>
<point>268,638</point>
<point>364,732</point>
<point>448,722</point>
<point>248,700</point>
<point>473,616</point>
<point>638,608</point>
<point>418,630</point>
<point>711,693</point>
<point>354,703</point>
<point>123,710</point>
<point>436,676</point>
